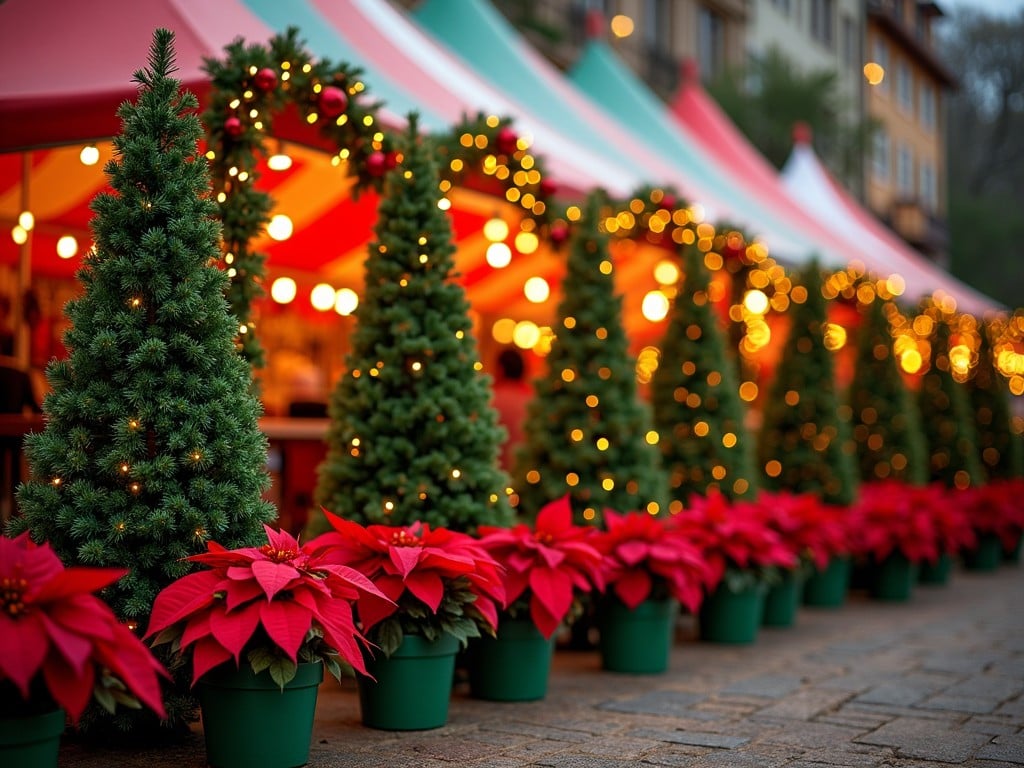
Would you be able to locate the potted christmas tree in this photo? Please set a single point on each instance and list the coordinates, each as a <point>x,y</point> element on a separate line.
<point>151,446</point>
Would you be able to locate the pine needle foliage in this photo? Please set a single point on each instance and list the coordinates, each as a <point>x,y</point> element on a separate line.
<point>413,434</point>
<point>698,412</point>
<point>998,446</point>
<point>587,434</point>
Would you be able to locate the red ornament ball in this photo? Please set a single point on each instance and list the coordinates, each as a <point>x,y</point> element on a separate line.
<point>559,233</point>
<point>547,187</point>
<point>390,161</point>
<point>506,141</point>
<point>265,80</point>
<point>233,127</point>
<point>332,101</point>
<point>669,202</point>
<point>376,163</point>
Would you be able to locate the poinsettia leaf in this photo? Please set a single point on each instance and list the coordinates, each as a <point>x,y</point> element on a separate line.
<point>71,691</point>
<point>233,629</point>
<point>105,698</point>
<point>553,588</point>
<point>633,587</point>
<point>75,649</point>
<point>405,559</point>
<point>389,636</point>
<point>76,581</point>
<point>23,646</point>
<point>283,671</point>
<point>207,653</point>
<point>632,552</point>
<point>181,599</point>
<point>260,658</point>
<point>286,624</point>
<point>555,516</point>
<point>273,577</point>
<point>427,586</point>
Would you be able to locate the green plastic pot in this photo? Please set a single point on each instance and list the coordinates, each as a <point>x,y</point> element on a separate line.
<point>937,572</point>
<point>732,617</point>
<point>782,600</point>
<point>514,666</point>
<point>893,578</point>
<point>635,641</point>
<point>986,555</point>
<point>411,688</point>
<point>32,741</point>
<point>827,588</point>
<point>249,722</point>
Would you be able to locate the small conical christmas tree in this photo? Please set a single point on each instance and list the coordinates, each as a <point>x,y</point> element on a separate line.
<point>151,445</point>
<point>946,416</point>
<point>587,433</point>
<point>697,408</point>
<point>413,435</point>
<point>804,445</point>
<point>998,446</point>
<point>886,422</point>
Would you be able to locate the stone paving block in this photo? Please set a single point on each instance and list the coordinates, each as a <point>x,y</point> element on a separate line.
<point>690,738</point>
<point>907,690</point>
<point>766,686</point>
<point>854,682</point>
<point>959,704</point>
<point>927,739</point>
<point>656,703</point>
<point>996,687</point>
<point>1009,748</point>
<point>855,718</point>
<point>537,731</point>
<point>582,761</point>
<point>678,757</point>
<point>804,704</point>
<point>961,662</point>
<point>992,727</point>
<point>746,758</point>
<point>814,735</point>
<point>848,756</point>
<point>616,747</point>
<point>1013,708</point>
<point>457,749</point>
<point>892,712</point>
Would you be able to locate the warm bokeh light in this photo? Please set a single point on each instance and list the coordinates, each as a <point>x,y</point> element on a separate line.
<point>322,297</point>
<point>345,301</point>
<point>525,334</point>
<point>67,247</point>
<point>283,290</point>
<point>280,228</point>
<point>960,359</point>
<point>279,161</point>
<point>755,302</point>
<point>503,329</point>
<point>537,290</point>
<point>655,306</point>
<point>910,361</point>
<point>89,155</point>
<point>19,234</point>
<point>835,336</point>
<point>496,229</point>
<point>874,73</point>
<point>26,220</point>
<point>666,272</point>
<point>621,25</point>
<point>527,243</point>
<point>499,255</point>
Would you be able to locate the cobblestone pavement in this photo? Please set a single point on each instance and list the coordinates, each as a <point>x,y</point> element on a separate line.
<point>931,683</point>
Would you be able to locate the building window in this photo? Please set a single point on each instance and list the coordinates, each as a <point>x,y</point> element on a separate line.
<point>823,22</point>
<point>880,55</point>
<point>658,26</point>
<point>710,42</point>
<point>926,106</point>
<point>851,47</point>
<point>904,87</point>
<point>929,192</point>
<point>880,156</point>
<point>905,171</point>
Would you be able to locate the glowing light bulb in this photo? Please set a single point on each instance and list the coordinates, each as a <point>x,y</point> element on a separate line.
<point>527,243</point>
<point>19,234</point>
<point>67,247</point>
<point>322,297</point>
<point>283,290</point>
<point>537,290</point>
<point>279,161</point>
<point>756,302</point>
<point>526,334</point>
<point>280,227</point>
<point>666,273</point>
<point>89,155</point>
<point>655,306</point>
<point>26,220</point>
<point>874,73</point>
<point>499,255</point>
<point>496,229</point>
<point>346,301</point>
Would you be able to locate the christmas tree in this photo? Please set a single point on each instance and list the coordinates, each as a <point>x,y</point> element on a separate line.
<point>946,412</point>
<point>804,445</point>
<point>151,445</point>
<point>697,408</point>
<point>998,446</point>
<point>886,422</point>
<point>413,435</point>
<point>587,433</point>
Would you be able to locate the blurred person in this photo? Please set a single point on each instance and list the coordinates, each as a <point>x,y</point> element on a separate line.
<point>512,395</point>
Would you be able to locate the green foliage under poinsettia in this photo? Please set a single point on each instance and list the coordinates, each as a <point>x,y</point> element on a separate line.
<point>151,444</point>
<point>697,408</point>
<point>999,449</point>
<point>886,422</point>
<point>587,433</point>
<point>804,444</point>
<point>946,414</point>
<point>413,436</point>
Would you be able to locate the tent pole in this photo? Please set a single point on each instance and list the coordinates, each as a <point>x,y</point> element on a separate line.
<point>23,332</point>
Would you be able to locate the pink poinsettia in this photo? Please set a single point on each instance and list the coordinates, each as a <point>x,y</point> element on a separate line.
<point>733,535</point>
<point>54,632</point>
<point>643,555</point>
<point>431,580</point>
<point>895,517</point>
<point>547,563</point>
<point>815,531</point>
<point>281,603</point>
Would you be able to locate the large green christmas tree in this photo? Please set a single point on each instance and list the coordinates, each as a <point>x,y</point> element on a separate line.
<point>886,422</point>
<point>946,415</point>
<point>151,445</point>
<point>587,433</point>
<point>998,446</point>
<point>697,408</point>
<point>804,445</point>
<point>413,435</point>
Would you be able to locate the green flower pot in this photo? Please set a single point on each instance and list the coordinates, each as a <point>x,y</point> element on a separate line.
<point>935,572</point>
<point>249,722</point>
<point>732,617</point>
<point>1012,555</point>
<point>893,578</point>
<point>827,588</point>
<point>412,687</point>
<point>32,741</point>
<point>782,600</point>
<point>636,641</point>
<point>514,666</point>
<point>987,555</point>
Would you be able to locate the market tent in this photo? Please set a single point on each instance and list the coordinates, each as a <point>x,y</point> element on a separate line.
<point>810,183</point>
<point>802,201</point>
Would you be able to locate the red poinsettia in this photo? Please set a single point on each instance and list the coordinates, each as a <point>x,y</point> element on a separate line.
<point>950,518</point>
<point>546,563</point>
<point>644,555</point>
<point>281,603</point>
<point>431,580</point>
<point>815,531</point>
<point>57,638</point>
<point>996,508</point>
<point>733,536</point>
<point>895,517</point>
